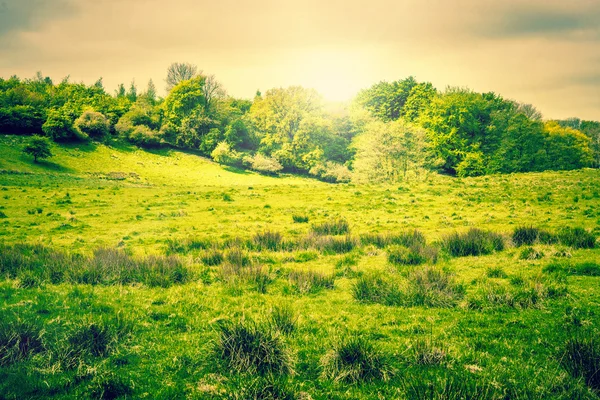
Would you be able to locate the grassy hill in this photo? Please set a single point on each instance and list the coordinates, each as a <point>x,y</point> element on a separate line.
<point>130,273</point>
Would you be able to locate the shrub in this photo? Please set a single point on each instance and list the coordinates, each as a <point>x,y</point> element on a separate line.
<point>577,238</point>
<point>38,147</point>
<point>300,219</point>
<point>246,347</point>
<point>331,172</point>
<point>146,137</point>
<point>474,242</point>
<point>59,126</point>
<point>19,340</point>
<point>283,319</point>
<point>310,281</point>
<point>263,164</point>
<point>581,358</point>
<point>93,124</point>
<point>268,240</point>
<point>224,154</point>
<point>335,227</point>
<point>525,235</point>
<point>354,360</point>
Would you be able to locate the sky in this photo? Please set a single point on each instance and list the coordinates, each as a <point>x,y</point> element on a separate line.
<point>543,52</point>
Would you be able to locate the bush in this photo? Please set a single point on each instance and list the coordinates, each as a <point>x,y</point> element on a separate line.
<point>310,281</point>
<point>335,227</point>
<point>246,347</point>
<point>525,236</point>
<point>331,172</point>
<point>577,238</point>
<point>93,124</point>
<point>145,137</point>
<point>59,127</point>
<point>19,340</point>
<point>581,358</point>
<point>354,360</point>
<point>263,164</point>
<point>224,154</point>
<point>474,242</point>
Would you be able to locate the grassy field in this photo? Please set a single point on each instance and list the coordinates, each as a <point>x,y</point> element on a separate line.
<point>139,274</point>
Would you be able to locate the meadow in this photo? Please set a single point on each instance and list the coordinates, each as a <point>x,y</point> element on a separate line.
<point>160,274</point>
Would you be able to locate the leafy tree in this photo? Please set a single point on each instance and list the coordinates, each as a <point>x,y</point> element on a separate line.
<point>38,147</point>
<point>389,151</point>
<point>132,93</point>
<point>418,101</point>
<point>59,126</point>
<point>567,148</point>
<point>592,130</point>
<point>120,92</point>
<point>386,100</point>
<point>151,91</point>
<point>178,72</point>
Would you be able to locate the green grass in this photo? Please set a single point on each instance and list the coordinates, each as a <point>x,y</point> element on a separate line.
<point>163,275</point>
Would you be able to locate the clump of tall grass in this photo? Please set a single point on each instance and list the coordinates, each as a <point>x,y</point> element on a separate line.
<point>377,288</point>
<point>577,238</point>
<point>237,257</point>
<point>354,360</point>
<point>335,245</point>
<point>581,269</point>
<point>581,358</point>
<point>268,240</point>
<point>474,242</point>
<point>428,352</point>
<point>413,255</point>
<point>283,319</point>
<point>212,258</point>
<point>380,240</point>
<point>305,282</point>
<point>300,219</point>
<point>334,227</point>
<point>186,245</point>
<point>247,347</point>
<point>19,340</point>
<point>525,236</point>
<point>531,253</point>
<point>433,287</point>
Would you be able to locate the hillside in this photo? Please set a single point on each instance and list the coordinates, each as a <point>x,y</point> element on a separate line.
<point>130,271</point>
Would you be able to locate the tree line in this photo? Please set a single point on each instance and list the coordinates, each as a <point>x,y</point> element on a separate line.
<point>390,131</point>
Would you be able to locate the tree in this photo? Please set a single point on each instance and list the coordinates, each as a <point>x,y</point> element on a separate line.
<point>38,147</point>
<point>132,93</point>
<point>151,91</point>
<point>93,124</point>
<point>178,72</point>
<point>386,100</point>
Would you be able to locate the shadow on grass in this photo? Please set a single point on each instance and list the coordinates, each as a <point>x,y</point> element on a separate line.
<point>236,170</point>
<point>51,166</point>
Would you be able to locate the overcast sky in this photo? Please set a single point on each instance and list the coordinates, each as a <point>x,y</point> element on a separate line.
<point>544,52</point>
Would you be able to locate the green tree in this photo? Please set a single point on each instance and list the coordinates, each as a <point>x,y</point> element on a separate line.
<point>386,100</point>
<point>38,147</point>
<point>93,124</point>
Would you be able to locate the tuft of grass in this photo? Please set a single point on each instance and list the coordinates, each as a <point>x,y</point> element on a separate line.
<point>306,282</point>
<point>283,319</point>
<point>268,240</point>
<point>212,258</point>
<point>525,236</point>
<point>581,358</point>
<point>578,238</point>
<point>474,242</point>
<point>354,360</point>
<point>247,347</point>
<point>334,227</point>
<point>580,269</point>
<point>237,257</point>
<point>433,287</point>
<point>18,341</point>
<point>495,272</point>
<point>300,219</point>
<point>184,246</point>
<point>110,386</point>
<point>531,253</point>
<point>414,255</point>
<point>335,245</point>
<point>428,352</point>
<point>376,288</point>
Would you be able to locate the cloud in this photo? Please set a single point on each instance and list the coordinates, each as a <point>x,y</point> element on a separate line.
<point>31,15</point>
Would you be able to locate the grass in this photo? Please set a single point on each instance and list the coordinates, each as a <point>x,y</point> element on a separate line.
<point>118,285</point>
<point>474,242</point>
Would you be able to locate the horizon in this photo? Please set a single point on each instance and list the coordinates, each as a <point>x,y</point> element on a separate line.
<point>517,51</point>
